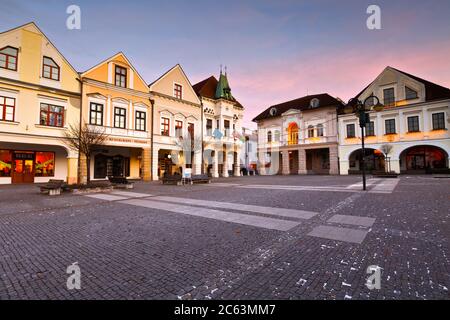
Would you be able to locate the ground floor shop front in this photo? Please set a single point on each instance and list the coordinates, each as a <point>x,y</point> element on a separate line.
<point>111,161</point>
<point>418,157</point>
<point>293,160</point>
<point>35,163</point>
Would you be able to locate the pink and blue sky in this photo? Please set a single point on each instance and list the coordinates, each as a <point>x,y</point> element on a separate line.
<point>274,50</point>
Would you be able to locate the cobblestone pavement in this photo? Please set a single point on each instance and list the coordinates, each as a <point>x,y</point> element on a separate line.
<point>129,248</point>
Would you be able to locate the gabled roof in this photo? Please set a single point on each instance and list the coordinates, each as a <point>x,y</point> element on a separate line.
<point>177,66</point>
<point>303,103</point>
<point>432,91</point>
<point>33,24</point>
<point>208,89</point>
<point>112,58</point>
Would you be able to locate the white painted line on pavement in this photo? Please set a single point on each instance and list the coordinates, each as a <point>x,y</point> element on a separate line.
<point>261,222</point>
<point>131,194</point>
<point>108,197</point>
<point>352,220</point>
<point>282,212</point>
<point>340,234</point>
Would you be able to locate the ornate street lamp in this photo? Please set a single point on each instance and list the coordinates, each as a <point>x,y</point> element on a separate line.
<point>362,109</point>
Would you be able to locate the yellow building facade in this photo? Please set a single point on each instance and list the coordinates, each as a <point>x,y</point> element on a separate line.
<point>39,99</point>
<point>116,99</point>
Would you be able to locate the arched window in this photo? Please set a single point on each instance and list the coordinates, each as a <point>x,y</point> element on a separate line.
<point>277,135</point>
<point>269,136</point>
<point>292,134</point>
<point>320,130</point>
<point>310,131</point>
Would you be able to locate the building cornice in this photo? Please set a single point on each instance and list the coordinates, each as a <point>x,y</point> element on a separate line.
<point>38,87</point>
<point>111,87</point>
<point>162,95</point>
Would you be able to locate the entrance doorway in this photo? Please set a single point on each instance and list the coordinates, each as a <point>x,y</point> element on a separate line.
<point>23,167</point>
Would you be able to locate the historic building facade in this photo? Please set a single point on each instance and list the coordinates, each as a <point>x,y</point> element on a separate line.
<point>177,117</point>
<point>410,135</point>
<point>222,127</point>
<point>116,99</point>
<point>39,99</point>
<point>299,136</point>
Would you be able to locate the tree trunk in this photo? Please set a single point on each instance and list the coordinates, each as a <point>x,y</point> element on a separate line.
<point>88,169</point>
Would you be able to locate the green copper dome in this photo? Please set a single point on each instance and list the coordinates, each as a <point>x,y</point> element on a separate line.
<point>223,90</point>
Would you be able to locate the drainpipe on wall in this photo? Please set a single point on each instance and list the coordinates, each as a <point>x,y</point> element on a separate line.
<point>80,128</point>
<point>203,144</point>
<point>152,104</point>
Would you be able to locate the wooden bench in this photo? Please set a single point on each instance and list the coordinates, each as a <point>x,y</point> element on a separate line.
<point>201,178</point>
<point>175,180</point>
<point>53,187</point>
<point>121,182</point>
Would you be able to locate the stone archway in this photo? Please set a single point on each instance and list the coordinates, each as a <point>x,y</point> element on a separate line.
<point>424,159</point>
<point>375,161</point>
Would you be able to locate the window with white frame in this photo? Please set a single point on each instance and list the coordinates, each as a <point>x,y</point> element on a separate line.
<point>370,129</point>
<point>389,125</point>
<point>389,97</point>
<point>141,121</point>
<point>8,58</point>
<point>413,124</point>
<point>7,108</point>
<point>165,126</point>
<point>310,131</point>
<point>178,128</point>
<point>120,115</point>
<point>320,130</point>
<point>351,130</point>
<point>438,121</point>
<point>50,69</point>
<point>96,114</point>
<point>410,93</point>
<point>178,91</point>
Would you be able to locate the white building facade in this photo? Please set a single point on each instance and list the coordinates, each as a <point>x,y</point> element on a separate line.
<point>410,135</point>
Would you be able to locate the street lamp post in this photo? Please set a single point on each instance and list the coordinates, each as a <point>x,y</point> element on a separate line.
<point>361,109</point>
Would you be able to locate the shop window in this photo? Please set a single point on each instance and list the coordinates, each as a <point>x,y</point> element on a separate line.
<point>5,163</point>
<point>45,164</point>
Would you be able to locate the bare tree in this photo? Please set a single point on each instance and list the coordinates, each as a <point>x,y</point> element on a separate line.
<point>84,139</point>
<point>189,144</point>
<point>387,149</point>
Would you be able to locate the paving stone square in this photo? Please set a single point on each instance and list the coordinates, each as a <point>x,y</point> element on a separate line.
<point>290,237</point>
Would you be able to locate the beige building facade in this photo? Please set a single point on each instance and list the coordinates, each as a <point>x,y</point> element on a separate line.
<point>177,117</point>
<point>39,99</point>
